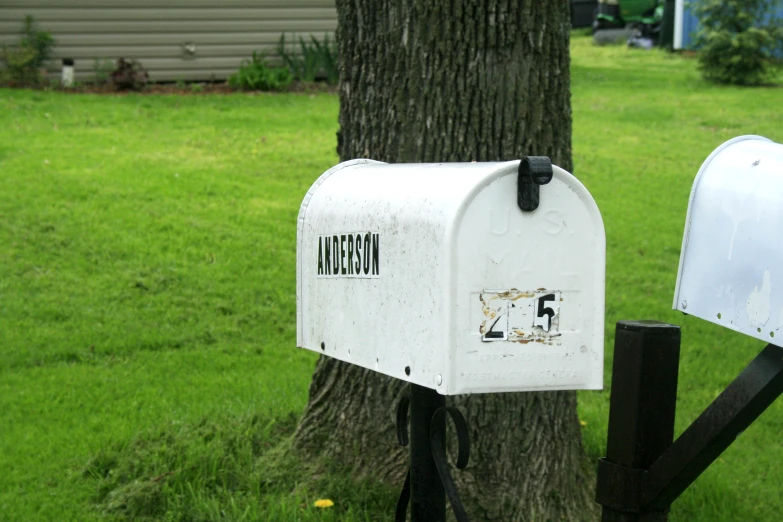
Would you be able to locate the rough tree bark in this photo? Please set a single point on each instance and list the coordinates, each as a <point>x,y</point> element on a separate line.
<point>456,80</point>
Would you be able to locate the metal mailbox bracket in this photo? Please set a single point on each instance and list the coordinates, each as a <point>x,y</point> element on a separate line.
<point>429,466</point>
<point>644,471</point>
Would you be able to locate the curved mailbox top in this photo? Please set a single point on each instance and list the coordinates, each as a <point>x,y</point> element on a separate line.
<point>432,274</point>
<point>731,263</point>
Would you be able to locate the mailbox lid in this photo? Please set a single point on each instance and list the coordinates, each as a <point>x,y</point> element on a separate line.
<point>395,321</point>
<point>731,262</point>
<point>535,278</point>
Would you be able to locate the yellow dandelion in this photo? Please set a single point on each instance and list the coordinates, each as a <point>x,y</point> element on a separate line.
<point>583,423</point>
<point>323,503</point>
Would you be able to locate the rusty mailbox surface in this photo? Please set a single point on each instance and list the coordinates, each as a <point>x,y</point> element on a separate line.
<point>432,274</point>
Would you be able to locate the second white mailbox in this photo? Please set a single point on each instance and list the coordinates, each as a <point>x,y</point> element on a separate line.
<point>431,273</point>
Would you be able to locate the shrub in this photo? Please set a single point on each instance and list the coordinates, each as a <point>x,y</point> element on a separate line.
<point>256,75</point>
<point>312,60</point>
<point>25,59</point>
<point>738,40</point>
<point>129,75</point>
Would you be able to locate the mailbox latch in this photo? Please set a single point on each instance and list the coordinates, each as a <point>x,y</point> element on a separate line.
<point>533,172</point>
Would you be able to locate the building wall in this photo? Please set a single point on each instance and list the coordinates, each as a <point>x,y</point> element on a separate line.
<point>173,39</point>
<point>690,24</point>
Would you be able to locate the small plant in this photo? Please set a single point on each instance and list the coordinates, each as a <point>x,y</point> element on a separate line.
<point>257,75</point>
<point>181,84</point>
<point>738,40</point>
<point>102,71</point>
<point>311,60</point>
<point>129,75</point>
<point>196,88</point>
<point>25,59</point>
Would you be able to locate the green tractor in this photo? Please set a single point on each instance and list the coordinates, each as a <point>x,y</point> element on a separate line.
<point>617,14</point>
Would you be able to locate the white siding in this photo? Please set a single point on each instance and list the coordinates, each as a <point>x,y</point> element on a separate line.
<point>155,32</point>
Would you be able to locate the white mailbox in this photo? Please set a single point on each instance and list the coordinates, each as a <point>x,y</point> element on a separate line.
<point>432,274</point>
<point>731,263</point>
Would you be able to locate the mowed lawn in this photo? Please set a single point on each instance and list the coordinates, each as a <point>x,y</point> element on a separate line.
<point>147,291</point>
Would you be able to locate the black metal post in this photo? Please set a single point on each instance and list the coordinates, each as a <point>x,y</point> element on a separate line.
<point>428,499</point>
<point>641,416</point>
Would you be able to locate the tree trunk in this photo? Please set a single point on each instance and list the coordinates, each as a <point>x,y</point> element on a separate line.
<point>451,80</point>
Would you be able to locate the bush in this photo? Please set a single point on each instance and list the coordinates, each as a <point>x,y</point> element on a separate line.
<point>312,60</point>
<point>738,41</point>
<point>256,75</point>
<point>24,60</point>
<point>129,75</point>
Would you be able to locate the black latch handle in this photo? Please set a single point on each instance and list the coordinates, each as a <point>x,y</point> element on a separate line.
<point>534,171</point>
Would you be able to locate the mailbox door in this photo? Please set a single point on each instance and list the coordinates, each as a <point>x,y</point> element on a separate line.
<point>529,290</point>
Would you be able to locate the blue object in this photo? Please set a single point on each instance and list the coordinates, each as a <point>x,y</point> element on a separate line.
<point>690,25</point>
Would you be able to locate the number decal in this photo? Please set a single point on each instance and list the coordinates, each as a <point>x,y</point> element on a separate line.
<point>544,314</point>
<point>492,334</point>
<point>517,316</point>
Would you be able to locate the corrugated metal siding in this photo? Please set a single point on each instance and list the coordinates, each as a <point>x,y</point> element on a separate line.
<point>156,32</point>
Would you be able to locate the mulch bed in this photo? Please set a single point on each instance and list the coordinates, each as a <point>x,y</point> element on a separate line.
<point>180,89</point>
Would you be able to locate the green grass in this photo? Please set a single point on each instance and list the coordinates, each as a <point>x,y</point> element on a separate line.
<point>146,275</point>
<point>147,291</point>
